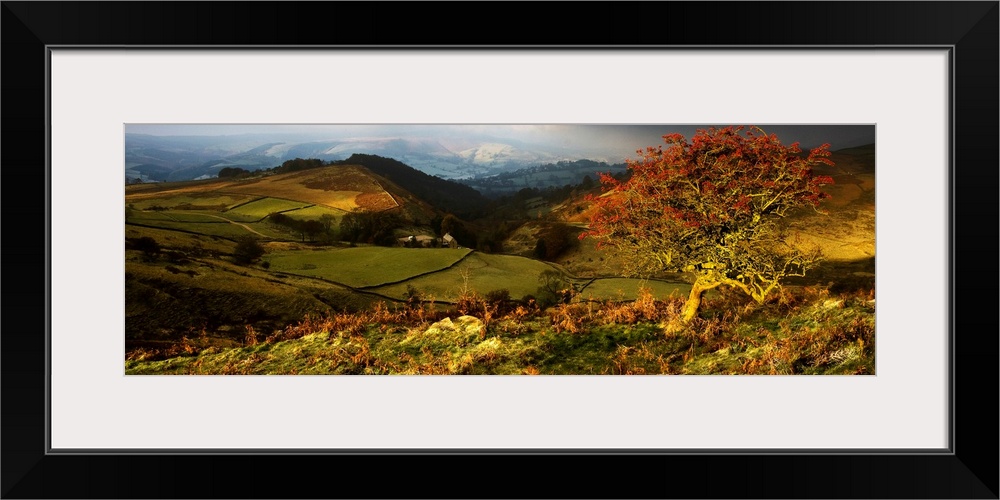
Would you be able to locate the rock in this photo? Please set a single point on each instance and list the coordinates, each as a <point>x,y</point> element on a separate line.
<point>462,328</point>
<point>470,325</point>
<point>443,325</point>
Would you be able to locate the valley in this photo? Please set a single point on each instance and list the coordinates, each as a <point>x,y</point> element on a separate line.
<point>367,255</point>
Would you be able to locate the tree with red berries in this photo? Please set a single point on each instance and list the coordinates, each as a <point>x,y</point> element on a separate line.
<point>712,208</point>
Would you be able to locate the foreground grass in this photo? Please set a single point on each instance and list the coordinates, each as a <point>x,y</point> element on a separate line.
<point>811,333</point>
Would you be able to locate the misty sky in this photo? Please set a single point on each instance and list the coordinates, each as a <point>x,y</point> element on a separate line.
<point>603,140</point>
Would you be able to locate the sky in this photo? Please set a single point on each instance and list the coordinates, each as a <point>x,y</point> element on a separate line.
<point>606,140</point>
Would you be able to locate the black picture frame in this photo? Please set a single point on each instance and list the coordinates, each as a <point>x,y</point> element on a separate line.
<point>969,470</point>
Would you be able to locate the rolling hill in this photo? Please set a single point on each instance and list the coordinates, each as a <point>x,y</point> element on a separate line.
<point>185,293</point>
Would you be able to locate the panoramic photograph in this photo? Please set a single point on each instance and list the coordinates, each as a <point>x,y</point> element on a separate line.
<point>499,249</point>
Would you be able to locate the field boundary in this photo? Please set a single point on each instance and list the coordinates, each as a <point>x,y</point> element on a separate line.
<point>386,191</point>
<point>244,226</point>
<point>353,289</point>
<point>172,219</point>
<point>222,220</point>
<point>182,230</point>
<point>241,204</point>
<point>229,193</point>
<point>420,275</point>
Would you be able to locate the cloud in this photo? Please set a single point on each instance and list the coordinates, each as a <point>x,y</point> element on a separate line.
<point>611,141</point>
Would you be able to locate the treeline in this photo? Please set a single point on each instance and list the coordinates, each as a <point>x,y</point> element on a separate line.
<point>233,173</point>
<point>293,165</point>
<point>312,229</point>
<point>298,164</point>
<point>376,228</point>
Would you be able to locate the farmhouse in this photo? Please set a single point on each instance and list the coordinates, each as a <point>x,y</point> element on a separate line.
<point>449,241</point>
<point>414,241</point>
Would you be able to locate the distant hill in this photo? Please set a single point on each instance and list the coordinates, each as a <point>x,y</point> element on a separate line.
<point>178,158</point>
<point>445,195</point>
<point>549,175</point>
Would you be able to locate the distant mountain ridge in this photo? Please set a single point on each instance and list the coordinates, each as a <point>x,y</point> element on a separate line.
<point>177,158</point>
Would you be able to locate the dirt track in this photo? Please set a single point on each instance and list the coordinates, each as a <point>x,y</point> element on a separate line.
<point>244,226</point>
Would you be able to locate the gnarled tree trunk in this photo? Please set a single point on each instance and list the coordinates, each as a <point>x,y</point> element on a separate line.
<point>690,309</point>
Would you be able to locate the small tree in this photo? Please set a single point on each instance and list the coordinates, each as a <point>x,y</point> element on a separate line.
<point>247,250</point>
<point>553,288</point>
<point>148,246</point>
<point>327,221</point>
<point>711,208</point>
<point>311,228</point>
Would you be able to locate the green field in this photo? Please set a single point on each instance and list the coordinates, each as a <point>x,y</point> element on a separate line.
<point>273,231</point>
<point>192,216</point>
<point>315,212</point>
<point>263,207</point>
<point>195,201</point>
<point>180,241</point>
<point>147,217</point>
<point>485,273</point>
<point>237,217</point>
<point>217,227</point>
<point>364,266</point>
<point>628,289</point>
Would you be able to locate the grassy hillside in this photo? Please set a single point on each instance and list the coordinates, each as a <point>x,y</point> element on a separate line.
<point>234,207</point>
<point>181,198</point>
<point>262,207</point>
<point>192,288</point>
<point>445,195</point>
<point>312,304</point>
<point>345,187</point>
<point>807,333</point>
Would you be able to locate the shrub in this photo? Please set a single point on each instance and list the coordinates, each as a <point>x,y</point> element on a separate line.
<point>148,246</point>
<point>248,249</point>
<point>500,299</point>
<point>413,296</point>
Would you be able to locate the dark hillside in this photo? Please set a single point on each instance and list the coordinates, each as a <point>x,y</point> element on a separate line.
<point>445,195</point>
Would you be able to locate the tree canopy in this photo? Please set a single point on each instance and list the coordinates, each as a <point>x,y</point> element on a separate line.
<point>712,208</point>
<point>247,250</point>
